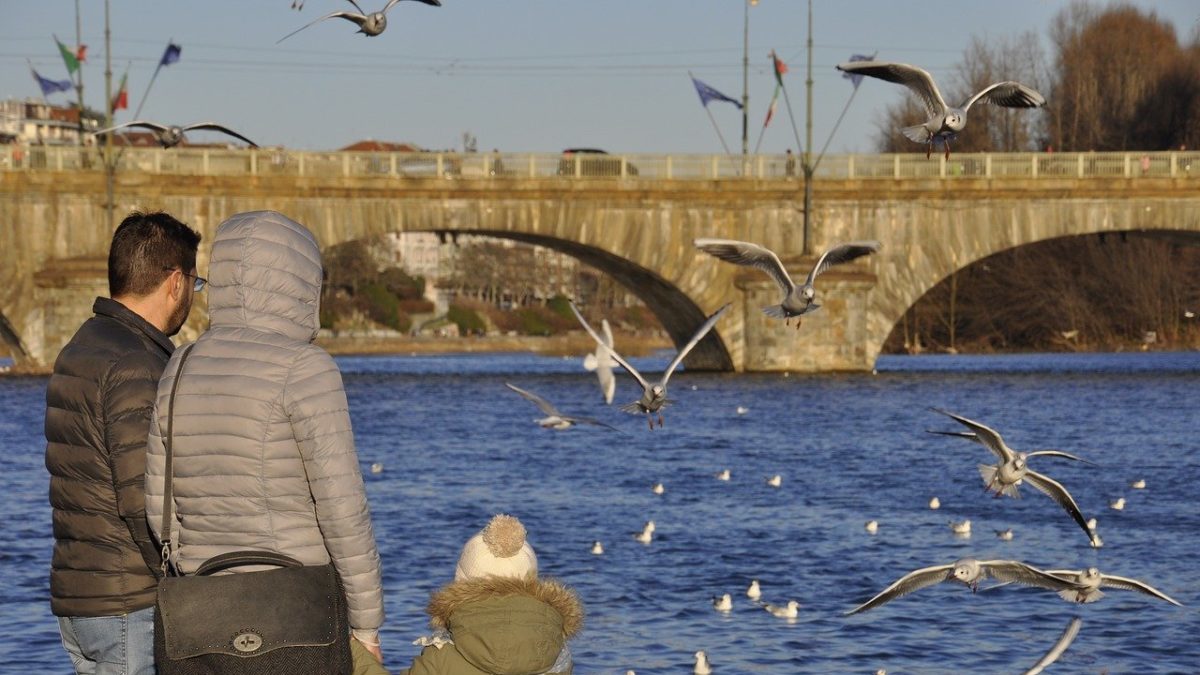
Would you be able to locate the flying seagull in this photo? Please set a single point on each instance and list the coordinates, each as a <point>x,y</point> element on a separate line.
<point>797,300</point>
<point>555,419</point>
<point>368,24</point>
<point>944,121</point>
<point>972,436</point>
<point>967,571</point>
<point>602,362</point>
<point>654,396</point>
<point>1012,470</point>
<point>1090,581</point>
<point>1064,641</point>
<point>171,136</point>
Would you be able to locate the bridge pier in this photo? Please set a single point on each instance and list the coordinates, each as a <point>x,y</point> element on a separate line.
<point>834,338</point>
<point>64,290</point>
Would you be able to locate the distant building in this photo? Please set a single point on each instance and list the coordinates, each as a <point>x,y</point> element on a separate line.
<point>36,122</point>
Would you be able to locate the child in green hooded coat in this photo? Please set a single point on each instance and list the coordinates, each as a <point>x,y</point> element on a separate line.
<point>497,617</point>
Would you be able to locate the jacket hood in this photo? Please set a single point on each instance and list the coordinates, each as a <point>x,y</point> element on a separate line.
<point>506,624</point>
<point>265,273</point>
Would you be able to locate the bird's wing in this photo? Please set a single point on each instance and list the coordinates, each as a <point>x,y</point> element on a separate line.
<point>360,9</point>
<point>1055,490</point>
<point>1058,453</point>
<point>349,16</point>
<point>540,402</point>
<point>969,435</point>
<point>840,254</point>
<point>913,581</point>
<point>588,420</point>
<point>213,126</point>
<point>752,255</point>
<point>1064,641</point>
<point>1008,95</point>
<point>917,79</point>
<point>616,357</point>
<point>1135,585</point>
<point>606,331</point>
<point>1013,571</point>
<point>136,123</point>
<point>712,321</point>
<point>435,3</point>
<point>984,435</point>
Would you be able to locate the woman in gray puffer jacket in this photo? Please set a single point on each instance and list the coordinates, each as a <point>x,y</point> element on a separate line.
<point>264,453</point>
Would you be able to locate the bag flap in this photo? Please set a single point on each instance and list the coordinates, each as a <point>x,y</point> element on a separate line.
<point>251,613</point>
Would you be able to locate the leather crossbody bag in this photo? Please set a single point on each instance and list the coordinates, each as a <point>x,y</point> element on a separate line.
<point>288,620</point>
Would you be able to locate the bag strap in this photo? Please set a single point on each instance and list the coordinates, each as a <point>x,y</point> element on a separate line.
<point>237,558</point>
<point>168,473</point>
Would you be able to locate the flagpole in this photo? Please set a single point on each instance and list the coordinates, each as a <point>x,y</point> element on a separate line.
<point>79,82</point>
<point>836,124</point>
<point>745,78</point>
<point>809,169</point>
<point>110,164</point>
<point>138,113</point>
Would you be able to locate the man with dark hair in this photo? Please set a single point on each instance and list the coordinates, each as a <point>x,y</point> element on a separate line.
<point>98,406</point>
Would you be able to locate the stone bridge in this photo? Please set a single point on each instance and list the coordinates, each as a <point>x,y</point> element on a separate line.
<point>933,221</point>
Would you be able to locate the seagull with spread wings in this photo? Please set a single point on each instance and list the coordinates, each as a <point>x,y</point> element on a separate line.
<point>654,396</point>
<point>1091,580</point>
<point>171,136</point>
<point>555,419</point>
<point>1012,470</point>
<point>945,122</point>
<point>967,571</point>
<point>369,25</point>
<point>798,299</point>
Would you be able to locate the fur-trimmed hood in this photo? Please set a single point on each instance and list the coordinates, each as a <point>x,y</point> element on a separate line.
<point>458,594</point>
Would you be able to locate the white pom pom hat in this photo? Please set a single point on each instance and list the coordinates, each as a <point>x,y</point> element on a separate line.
<point>499,550</point>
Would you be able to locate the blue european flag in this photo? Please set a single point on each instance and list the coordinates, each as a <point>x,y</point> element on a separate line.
<point>707,94</point>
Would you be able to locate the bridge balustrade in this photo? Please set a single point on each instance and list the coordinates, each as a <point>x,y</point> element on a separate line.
<point>501,166</point>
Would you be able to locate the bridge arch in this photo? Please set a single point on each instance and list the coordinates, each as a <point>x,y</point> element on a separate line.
<point>678,313</point>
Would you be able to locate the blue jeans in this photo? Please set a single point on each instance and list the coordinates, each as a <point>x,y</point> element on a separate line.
<point>110,645</point>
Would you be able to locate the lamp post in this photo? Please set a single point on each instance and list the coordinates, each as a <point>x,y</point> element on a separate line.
<point>808,167</point>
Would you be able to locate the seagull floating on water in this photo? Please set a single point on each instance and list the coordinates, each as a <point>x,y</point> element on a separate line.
<point>597,548</point>
<point>797,300</point>
<point>723,603</point>
<point>967,571</point>
<point>369,25</point>
<point>702,666</point>
<point>601,361</point>
<point>658,489</point>
<point>1118,504</point>
<point>742,410</point>
<point>555,419</point>
<point>789,611</point>
<point>962,528</point>
<point>723,475</point>
<point>1012,469</point>
<point>1064,641</point>
<point>1005,535</point>
<point>377,467</point>
<point>935,503</point>
<point>654,396</point>
<point>754,592</point>
<point>944,122</point>
<point>171,136</point>
<point>872,526</point>
<point>647,533</point>
<point>1139,484</point>
<point>775,481</point>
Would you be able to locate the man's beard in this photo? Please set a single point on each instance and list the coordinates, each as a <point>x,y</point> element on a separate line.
<point>179,316</point>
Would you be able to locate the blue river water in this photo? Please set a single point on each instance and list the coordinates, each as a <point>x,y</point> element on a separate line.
<point>457,447</point>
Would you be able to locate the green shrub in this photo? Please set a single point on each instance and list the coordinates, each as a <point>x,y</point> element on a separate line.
<point>561,306</point>
<point>401,285</point>
<point>468,320</point>
<point>384,308</point>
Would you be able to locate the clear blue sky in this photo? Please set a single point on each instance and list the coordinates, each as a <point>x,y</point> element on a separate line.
<point>521,75</point>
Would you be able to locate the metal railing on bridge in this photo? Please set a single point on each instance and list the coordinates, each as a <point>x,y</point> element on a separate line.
<point>505,166</point>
